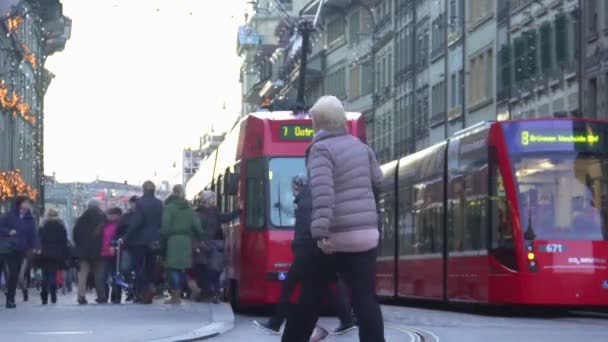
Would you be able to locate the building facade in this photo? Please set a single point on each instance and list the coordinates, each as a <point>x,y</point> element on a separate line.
<point>192,158</point>
<point>420,70</point>
<point>71,199</point>
<point>30,31</point>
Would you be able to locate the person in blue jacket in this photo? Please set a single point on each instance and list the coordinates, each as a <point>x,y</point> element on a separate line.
<point>19,226</point>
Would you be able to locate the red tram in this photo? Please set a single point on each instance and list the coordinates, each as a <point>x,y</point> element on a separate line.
<point>512,212</point>
<point>253,169</point>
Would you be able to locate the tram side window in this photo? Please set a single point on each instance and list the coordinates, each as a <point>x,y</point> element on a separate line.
<point>256,193</point>
<point>387,212</point>
<point>406,222</point>
<point>503,247</point>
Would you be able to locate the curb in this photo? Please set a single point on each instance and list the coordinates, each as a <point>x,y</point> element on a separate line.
<point>222,321</point>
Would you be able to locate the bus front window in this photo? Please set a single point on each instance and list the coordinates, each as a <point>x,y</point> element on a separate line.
<point>562,196</point>
<point>281,172</point>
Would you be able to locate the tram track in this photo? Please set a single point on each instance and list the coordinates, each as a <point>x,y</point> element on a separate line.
<point>414,334</point>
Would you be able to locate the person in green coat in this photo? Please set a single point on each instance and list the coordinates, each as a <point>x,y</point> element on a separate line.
<point>180,225</point>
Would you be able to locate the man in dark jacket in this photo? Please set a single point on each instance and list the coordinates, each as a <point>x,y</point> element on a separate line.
<point>143,240</point>
<point>18,226</point>
<point>87,248</point>
<point>304,247</point>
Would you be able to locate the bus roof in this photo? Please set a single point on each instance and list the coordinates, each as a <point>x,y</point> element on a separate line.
<point>288,115</point>
<point>225,155</point>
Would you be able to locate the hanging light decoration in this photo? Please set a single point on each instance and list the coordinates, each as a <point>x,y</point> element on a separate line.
<point>16,104</point>
<point>29,56</point>
<point>12,184</point>
<point>14,23</point>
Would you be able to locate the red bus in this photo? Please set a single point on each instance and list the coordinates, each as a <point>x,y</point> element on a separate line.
<point>512,212</point>
<point>253,169</point>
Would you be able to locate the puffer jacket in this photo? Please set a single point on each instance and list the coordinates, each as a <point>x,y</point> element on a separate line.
<point>343,173</point>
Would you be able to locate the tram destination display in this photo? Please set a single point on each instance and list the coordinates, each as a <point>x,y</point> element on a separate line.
<point>555,136</point>
<point>296,132</point>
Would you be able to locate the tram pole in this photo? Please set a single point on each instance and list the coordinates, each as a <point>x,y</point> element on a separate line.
<point>305,26</point>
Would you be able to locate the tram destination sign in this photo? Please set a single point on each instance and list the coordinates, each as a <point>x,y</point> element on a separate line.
<point>529,138</point>
<point>296,132</point>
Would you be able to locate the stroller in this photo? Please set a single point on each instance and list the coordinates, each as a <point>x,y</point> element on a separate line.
<point>118,280</point>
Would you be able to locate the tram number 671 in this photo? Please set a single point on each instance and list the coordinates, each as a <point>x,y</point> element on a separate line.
<point>553,248</point>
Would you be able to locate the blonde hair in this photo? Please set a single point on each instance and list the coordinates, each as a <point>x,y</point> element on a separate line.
<point>328,113</point>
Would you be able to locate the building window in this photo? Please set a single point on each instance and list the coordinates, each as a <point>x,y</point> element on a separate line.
<point>592,98</point>
<point>531,53</point>
<point>336,83</point>
<point>519,50</point>
<point>335,30</point>
<point>354,89</point>
<point>389,72</point>
<point>481,78</point>
<point>480,10</point>
<point>562,38</point>
<point>546,47</point>
<point>504,71</point>
<point>438,44</point>
<point>360,24</point>
<point>592,15</point>
<point>367,79</point>
<point>438,99</point>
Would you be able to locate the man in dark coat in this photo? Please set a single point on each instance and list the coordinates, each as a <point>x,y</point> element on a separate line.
<point>87,248</point>
<point>303,247</point>
<point>143,240</point>
<point>18,226</point>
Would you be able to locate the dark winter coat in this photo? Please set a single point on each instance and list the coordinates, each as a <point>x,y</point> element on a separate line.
<point>144,229</point>
<point>212,220</point>
<point>123,225</point>
<point>180,226</point>
<point>26,237</point>
<point>88,233</point>
<point>343,174</point>
<point>303,211</point>
<point>54,240</point>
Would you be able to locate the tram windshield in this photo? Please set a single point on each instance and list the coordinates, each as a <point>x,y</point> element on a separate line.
<point>281,172</point>
<point>563,196</point>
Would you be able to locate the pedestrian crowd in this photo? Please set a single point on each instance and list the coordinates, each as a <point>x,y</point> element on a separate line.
<point>132,256</point>
<point>334,246</point>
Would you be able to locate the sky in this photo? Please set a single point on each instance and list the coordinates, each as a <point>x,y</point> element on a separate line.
<point>138,81</point>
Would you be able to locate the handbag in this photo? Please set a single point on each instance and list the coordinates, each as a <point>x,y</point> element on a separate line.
<point>7,245</point>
